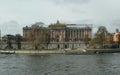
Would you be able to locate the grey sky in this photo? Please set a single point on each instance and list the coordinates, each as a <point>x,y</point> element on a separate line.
<point>15,14</point>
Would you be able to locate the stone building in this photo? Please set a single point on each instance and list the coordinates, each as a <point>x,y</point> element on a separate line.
<point>116,37</point>
<point>59,35</point>
<point>36,35</point>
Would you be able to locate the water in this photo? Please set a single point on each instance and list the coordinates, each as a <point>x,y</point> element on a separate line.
<point>21,64</point>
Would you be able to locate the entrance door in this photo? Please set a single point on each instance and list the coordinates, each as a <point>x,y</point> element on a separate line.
<point>58,46</point>
<point>65,46</point>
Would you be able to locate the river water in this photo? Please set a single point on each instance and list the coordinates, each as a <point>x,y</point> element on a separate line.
<point>24,64</point>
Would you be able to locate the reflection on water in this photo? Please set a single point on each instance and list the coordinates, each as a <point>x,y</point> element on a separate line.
<point>20,64</point>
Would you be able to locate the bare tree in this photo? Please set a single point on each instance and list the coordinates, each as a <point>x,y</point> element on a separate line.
<point>100,36</point>
<point>18,41</point>
<point>38,37</point>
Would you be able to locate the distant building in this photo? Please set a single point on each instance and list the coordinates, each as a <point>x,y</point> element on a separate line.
<point>59,35</point>
<point>11,41</point>
<point>116,37</point>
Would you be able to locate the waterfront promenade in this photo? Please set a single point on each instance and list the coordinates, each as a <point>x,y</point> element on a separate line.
<point>32,51</point>
<point>71,52</point>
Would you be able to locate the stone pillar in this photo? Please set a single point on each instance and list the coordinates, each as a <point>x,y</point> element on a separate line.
<point>82,34</point>
<point>78,34</point>
<point>73,35</point>
<point>70,35</point>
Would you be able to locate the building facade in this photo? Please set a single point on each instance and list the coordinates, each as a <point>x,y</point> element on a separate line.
<point>116,37</point>
<point>59,35</point>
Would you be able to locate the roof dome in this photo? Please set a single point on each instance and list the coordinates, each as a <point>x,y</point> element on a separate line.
<point>37,25</point>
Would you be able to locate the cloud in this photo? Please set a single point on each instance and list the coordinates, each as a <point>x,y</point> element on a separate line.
<point>27,12</point>
<point>11,27</point>
<point>63,2</point>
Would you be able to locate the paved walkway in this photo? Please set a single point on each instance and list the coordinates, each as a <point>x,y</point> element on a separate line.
<point>33,51</point>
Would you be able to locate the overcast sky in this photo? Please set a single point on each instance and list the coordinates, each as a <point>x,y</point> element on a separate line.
<point>15,14</point>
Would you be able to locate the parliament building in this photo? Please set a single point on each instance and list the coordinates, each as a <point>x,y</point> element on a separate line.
<point>59,35</point>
